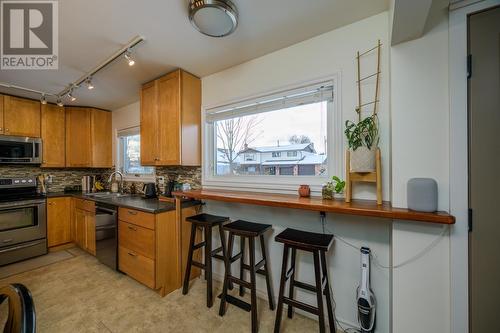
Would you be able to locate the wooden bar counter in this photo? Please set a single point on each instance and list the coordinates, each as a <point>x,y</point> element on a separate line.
<point>339,206</point>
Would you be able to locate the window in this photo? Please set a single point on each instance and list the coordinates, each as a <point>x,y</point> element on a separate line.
<point>129,156</point>
<point>275,141</point>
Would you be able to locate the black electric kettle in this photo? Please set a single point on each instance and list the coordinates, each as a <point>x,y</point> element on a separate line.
<point>149,190</point>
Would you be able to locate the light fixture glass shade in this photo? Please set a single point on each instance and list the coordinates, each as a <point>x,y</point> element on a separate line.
<point>215,18</point>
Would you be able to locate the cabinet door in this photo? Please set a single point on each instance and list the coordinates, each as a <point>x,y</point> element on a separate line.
<point>1,114</point>
<point>78,142</point>
<point>169,119</point>
<point>53,129</point>
<point>21,117</point>
<point>90,244</point>
<point>80,228</point>
<point>58,221</point>
<point>149,124</point>
<point>101,136</point>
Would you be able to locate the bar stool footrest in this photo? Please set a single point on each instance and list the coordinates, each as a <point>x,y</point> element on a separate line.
<point>301,305</point>
<point>258,266</point>
<point>218,256</point>
<point>236,257</point>
<point>239,303</point>
<point>197,246</point>
<point>217,250</point>
<point>198,264</point>
<point>240,282</point>
<point>305,286</point>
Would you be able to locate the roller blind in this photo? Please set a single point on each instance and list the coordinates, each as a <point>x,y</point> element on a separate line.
<point>301,96</point>
<point>129,131</point>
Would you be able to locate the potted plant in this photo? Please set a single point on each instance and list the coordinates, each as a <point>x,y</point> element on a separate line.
<point>362,139</point>
<point>336,185</point>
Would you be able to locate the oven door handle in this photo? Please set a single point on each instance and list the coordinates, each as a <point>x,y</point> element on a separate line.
<point>22,204</point>
<point>22,246</point>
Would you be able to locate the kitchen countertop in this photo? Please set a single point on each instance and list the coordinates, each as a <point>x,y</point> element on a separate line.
<point>129,201</point>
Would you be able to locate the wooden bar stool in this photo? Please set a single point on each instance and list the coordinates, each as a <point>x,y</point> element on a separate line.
<point>206,222</point>
<point>250,231</point>
<point>318,244</point>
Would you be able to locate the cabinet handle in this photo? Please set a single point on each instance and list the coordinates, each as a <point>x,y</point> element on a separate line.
<point>6,130</point>
<point>132,254</point>
<point>51,203</point>
<point>132,228</point>
<point>131,212</point>
<point>0,128</point>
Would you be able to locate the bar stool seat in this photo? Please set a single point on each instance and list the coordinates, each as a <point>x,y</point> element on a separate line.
<point>205,218</point>
<point>206,222</point>
<point>247,228</point>
<point>305,240</point>
<point>318,245</point>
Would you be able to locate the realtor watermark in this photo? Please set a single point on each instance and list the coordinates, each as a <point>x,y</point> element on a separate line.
<point>29,34</point>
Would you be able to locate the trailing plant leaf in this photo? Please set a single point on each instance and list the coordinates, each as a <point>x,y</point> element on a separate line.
<point>365,133</point>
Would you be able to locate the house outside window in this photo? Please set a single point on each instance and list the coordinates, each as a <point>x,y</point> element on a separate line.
<point>244,147</point>
<point>129,156</point>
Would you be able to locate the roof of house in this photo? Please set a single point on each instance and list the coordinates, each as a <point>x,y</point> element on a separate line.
<point>268,149</point>
<point>313,159</point>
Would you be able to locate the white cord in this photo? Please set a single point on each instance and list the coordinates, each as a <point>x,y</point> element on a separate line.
<point>377,263</point>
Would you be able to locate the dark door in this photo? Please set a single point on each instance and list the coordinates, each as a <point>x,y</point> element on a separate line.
<point>484,167</point>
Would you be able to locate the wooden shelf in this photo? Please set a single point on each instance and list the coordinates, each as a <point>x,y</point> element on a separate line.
<point>355,207</point>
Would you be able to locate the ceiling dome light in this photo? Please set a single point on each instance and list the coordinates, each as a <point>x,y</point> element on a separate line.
<point>128,56</point>
<point>215,18</point>
<point>89,84</point>
<point>43,100</point>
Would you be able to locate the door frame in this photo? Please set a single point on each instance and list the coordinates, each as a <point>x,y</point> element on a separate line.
<point>459,155</point>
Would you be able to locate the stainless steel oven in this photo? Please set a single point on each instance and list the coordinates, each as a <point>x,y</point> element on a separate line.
<point>20,150</point>
<point>23,223</point>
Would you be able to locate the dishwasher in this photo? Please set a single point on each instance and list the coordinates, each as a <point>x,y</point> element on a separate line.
<point>106,234</point>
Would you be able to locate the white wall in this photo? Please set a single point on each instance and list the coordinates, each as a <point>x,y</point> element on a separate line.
<point>420,148</point>
<point>332,52</point>
<point>125,117</point>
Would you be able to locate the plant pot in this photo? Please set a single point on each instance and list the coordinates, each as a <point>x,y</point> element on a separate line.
<point>327,193</point>
<point>363,159</point>
<point>304,191</point>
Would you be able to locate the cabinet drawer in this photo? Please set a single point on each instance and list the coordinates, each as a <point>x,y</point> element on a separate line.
<point>136,266</point>
<point>137,239</point>
<point>86,205</point>
<point>136,217</point>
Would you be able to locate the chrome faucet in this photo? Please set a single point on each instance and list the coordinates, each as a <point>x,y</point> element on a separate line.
<point>120,189</point>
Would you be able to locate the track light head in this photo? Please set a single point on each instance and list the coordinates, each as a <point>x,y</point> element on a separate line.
<point>59,102</point>
<point>89,84</point>
<point>130,59</point>
<point>71,97</point>
<point>43,100</point>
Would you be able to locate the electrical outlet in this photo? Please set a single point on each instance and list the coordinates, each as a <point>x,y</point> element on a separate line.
<point>50,178</point>
<point>161,180</point>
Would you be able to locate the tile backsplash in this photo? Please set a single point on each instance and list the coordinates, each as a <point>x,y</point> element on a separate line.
<point>69,177</point>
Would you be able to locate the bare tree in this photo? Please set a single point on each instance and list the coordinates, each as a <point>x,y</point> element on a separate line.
<point>235,134</point>
<point>297,139</point>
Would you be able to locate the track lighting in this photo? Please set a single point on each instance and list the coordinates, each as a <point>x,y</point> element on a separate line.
<point>130,59</point>
<point>43,100</point>
<point>59,102</point>
<point>70,96</point>
<point>89,84</point>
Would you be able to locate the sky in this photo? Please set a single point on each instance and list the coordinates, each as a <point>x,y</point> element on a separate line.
<point>279,125</point>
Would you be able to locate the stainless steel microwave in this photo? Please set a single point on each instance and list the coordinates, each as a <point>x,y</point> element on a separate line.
<point>20,150</point>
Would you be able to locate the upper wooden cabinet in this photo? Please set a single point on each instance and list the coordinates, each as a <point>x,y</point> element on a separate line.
<point>101,138</point>
<point>21,117</point>
<point>53,136</point>
<point>88,138</point>
<point>1,114</point>
<point>170,120</point>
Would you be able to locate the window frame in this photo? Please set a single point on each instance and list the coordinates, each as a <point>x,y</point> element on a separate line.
<point>120,157</point>
<point>281,184</point>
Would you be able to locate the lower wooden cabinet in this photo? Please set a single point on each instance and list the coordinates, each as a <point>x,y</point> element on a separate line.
<point>58,221</point>
<point>85,225</point>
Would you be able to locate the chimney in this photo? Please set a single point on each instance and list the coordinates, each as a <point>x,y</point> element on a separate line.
<point>245,146</point>
<point>278,143</point>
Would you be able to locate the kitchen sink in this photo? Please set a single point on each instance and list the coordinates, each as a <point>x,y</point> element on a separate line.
<point>106,195</point>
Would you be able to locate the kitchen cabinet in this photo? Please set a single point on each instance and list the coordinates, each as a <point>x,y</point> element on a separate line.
<point>58,221</point>
<point>21,117</point>
<point>1,114</point>
<point>53,131</point>
<point>170,120</point>
<point>85,225</point>
<point>101,138</point>
<point>88,138</point>
<point>148,250</point>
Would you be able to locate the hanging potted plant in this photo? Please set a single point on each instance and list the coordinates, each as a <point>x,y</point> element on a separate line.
<point>362,139</point>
